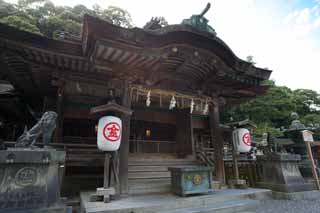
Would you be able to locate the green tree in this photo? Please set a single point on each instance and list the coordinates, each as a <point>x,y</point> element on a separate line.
<point>275,107</point>
<point>115,15</point>
<point>311,120</point>
<point>267,127</point>
<point>307,101</point>
<point>6,9</point>
<point>21,23</point>
<point>43,17</point>
<point>273,110</point>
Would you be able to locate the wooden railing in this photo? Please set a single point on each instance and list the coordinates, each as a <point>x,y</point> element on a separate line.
<point>153,146</point>
<point>205,155</point>
<point>80,140</point>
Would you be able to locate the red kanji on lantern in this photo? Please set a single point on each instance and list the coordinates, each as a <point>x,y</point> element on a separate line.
<point>246,139</point>
<point>112,131</point>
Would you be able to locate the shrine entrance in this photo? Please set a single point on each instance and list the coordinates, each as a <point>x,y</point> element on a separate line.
<point>152,137</point>
<point>152,130</point>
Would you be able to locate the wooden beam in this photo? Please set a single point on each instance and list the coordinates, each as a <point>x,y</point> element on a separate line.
<point>59,108</point>
<point>124,148</point>
<point>217,142</point>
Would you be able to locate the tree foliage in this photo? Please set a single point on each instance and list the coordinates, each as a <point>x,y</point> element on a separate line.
<point>272,111</point>
<point>21,23</point>
<point>45,18</point>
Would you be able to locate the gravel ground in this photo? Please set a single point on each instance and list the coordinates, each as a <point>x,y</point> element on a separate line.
<point>289,206</point>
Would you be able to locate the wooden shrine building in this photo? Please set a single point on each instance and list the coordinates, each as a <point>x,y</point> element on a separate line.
<point>174,79</point>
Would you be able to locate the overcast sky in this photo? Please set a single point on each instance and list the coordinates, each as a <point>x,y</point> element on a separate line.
<point>282,35</point>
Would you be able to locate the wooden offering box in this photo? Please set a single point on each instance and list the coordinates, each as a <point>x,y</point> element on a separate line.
<point>190,180</point>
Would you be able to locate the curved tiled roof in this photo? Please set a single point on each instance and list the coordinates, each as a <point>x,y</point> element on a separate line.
<point>97,29</point>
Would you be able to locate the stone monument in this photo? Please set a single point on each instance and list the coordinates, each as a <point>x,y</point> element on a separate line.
<point>30,177</point>
<point>299,147</point>
<point>280,173</point>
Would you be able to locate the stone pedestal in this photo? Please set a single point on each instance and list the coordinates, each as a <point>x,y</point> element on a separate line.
<point>281,173</point>
<point>30,180</point>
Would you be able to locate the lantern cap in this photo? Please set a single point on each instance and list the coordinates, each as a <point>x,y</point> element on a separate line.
<point>110,107</point>
<point>242,124</point>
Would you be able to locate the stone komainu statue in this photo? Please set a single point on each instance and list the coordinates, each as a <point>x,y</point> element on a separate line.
<point>45,125</point>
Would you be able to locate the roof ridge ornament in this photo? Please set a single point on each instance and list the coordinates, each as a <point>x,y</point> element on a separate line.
<point>199,21</point>
<point>153,24</point>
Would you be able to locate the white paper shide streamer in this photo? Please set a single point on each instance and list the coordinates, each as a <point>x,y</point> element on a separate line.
<point>206,108</point>
<point>148,101</point>
<point>172,103</point>
<point>192,106</point>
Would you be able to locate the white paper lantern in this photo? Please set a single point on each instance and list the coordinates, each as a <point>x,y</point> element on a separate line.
<point>241,140</point>
<point>109,133</point>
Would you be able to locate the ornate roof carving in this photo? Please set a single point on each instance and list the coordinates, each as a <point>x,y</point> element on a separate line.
<point>200,22</point>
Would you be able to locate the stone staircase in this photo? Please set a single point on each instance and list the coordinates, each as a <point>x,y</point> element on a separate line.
<point>149,173</point>
<point>222,201</point>
<point>223,207</point>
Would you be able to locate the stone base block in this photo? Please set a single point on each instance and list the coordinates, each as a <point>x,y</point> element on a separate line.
<point>44,210</point>
<point>288,188</point>
<point>306,195</point>
<point>238,184</point>
<point>216,185</point>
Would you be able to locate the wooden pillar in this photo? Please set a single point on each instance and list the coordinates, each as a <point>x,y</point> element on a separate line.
<point>184,133</point>
<point>59,110</point>
<point>217,141</point>
<point>124,148</point>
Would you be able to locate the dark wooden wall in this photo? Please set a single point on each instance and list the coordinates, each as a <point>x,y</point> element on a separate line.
<point>184,134</point>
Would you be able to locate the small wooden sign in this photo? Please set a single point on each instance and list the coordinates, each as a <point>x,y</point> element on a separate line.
<point>308,139</point>
<point>307,135</point>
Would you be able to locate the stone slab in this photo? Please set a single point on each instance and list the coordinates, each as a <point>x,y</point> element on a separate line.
<point>306,195</point>
<point>283,157</point>
<point>44,210</point>
<point>30,179</point>
<point>27,155</point>
<point>164,202</point>
<point>105,191</point>
<point>225,207</point>
<point>287,188</point>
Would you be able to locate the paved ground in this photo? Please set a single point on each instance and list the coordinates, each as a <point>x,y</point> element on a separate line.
<point>289,206</point>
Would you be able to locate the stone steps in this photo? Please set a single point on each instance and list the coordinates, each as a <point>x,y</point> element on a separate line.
<point>160,185</point>
<point>161,167</point>
<point>161,162</point>
<point>149,174</point>
<point>223,201</point>
<point>224,207</point>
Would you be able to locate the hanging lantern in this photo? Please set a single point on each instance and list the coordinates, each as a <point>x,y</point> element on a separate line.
<point>191,106</point>
<point>241,140</point>
<point>206,108</point>
<point>172,103</point>
<point>109,133</point>
<point>148,101</point>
